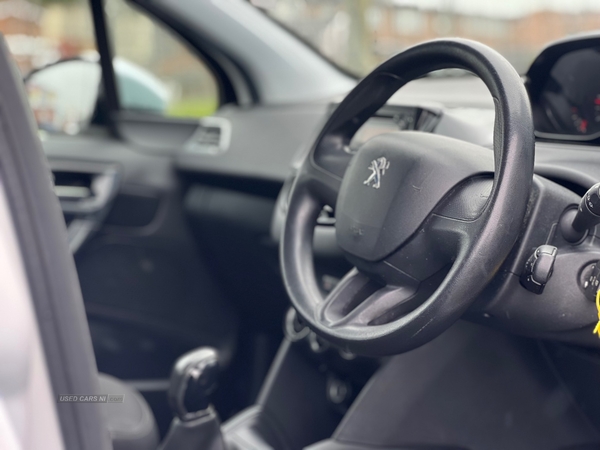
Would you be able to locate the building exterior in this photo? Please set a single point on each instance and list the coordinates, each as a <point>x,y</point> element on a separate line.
<point>357,34</point>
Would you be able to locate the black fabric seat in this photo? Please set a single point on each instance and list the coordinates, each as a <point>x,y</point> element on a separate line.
<point>131,424</point>
<point>331,444</point>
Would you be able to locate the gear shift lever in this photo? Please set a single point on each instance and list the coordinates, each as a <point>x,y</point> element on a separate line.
<point>196,425</point>
<point>193,379</point>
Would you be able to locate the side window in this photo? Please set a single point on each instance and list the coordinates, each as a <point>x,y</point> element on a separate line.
<point>155,72</point>
<point>59,37</point>
<point>39,33</point>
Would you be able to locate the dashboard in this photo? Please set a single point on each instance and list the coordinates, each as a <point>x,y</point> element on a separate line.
<point>395,118</point>
<point>266,141</point>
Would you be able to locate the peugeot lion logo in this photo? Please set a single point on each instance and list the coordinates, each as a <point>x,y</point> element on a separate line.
<point>377,167</point>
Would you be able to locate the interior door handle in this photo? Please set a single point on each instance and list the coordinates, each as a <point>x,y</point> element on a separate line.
<point>80,200</point>
<point>87,204</point>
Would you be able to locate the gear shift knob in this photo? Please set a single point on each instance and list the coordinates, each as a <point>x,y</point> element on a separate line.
<point>193,379</point>
<point>197,425</point>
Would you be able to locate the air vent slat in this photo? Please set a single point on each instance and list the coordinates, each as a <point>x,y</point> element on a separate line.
<point>212,137</point>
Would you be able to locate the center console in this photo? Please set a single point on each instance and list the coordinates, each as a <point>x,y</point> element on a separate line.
<point>471,388</point>
<point>310,387</point>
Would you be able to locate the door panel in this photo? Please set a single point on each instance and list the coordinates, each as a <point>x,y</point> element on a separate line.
<point>146,287</point>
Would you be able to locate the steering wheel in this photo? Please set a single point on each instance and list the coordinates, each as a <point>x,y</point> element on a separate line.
<point>426,220</point>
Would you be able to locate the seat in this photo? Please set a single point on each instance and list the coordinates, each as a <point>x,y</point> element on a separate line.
<point>131,424</point>
<point>331,444</point>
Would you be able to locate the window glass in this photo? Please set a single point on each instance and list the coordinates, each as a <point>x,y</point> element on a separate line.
<point>42,32</point>
<point>373,30</point>
<point>409,22</point>
<point>155,71</point>
<point>58,37</point>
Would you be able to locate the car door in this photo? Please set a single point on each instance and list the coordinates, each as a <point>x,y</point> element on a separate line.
<point>46,351</point>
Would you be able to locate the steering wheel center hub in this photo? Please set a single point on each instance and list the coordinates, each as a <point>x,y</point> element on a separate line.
<point>393,184</point>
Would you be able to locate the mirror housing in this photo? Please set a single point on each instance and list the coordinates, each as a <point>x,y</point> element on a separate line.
<point>63,95</point>
<point>563,56</point>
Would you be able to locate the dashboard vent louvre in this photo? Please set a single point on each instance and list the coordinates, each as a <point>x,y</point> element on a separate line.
<point>211,138</point>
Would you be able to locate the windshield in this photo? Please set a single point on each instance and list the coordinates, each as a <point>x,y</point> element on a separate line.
<point>357,35</point>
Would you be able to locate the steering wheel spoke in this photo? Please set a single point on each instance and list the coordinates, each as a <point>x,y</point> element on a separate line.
<point>412,274</point>
<point>322,184</point>
<point>353,289</point>
<point>358,299</point>
<point>383,305</point>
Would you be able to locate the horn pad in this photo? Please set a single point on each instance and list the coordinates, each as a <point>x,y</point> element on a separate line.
<point>393,184</point>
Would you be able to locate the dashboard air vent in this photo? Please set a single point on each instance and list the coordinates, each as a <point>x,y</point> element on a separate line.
<point>211,138</point>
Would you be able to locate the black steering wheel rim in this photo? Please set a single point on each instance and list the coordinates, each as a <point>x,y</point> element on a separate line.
<point>498,227</point>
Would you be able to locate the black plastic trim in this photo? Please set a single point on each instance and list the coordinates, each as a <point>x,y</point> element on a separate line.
<point>110,95</point>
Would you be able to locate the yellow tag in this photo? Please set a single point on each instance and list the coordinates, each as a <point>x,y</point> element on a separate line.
<point>597,329</point>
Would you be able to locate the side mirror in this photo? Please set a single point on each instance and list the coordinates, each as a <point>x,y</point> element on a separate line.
<point>563,87</point>
<point>63,96</point>
<point>139,89</point>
